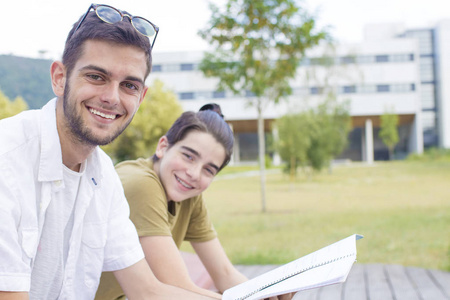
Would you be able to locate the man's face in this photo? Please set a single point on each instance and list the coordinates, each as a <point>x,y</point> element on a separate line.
<point>104,91</point>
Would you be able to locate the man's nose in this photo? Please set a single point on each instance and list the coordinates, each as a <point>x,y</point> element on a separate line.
<point>110,94</point>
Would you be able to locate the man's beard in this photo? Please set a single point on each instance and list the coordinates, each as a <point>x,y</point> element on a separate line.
<point>79,130</point>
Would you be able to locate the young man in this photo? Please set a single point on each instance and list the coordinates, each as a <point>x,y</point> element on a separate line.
<point>64,217</point>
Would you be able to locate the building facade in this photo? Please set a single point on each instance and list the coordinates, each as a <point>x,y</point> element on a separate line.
<point>392,70</point>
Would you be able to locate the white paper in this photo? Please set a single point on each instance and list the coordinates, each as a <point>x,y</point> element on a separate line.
<point>326,266</point>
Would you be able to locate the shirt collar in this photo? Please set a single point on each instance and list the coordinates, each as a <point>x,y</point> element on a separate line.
<point>50,164</point>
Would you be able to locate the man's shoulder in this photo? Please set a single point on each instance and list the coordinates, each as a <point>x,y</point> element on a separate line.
<point>19,130</point>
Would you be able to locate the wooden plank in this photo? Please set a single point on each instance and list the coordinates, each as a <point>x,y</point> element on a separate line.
<point>401,285</point>
<point>443,281</point>
<point>425,284</point>
<point>355,286</point>
<point>377,283</point>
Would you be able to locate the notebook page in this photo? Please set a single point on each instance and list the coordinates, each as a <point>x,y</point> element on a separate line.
<point>328,265</point>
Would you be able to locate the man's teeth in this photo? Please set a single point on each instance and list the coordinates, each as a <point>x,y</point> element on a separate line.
<point>95,112</point>
<point>183,183</point>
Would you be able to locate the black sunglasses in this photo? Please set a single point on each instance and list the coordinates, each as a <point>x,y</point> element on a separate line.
<point>112,15</point>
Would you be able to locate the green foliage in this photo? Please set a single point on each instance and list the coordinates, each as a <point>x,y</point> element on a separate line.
<point>314,137</point>
<point>258,45</point>
<point>158,111</point>
<point>26,77</point>
<point>431,154</point>
<point>10,108</point>
<point>388,132</point>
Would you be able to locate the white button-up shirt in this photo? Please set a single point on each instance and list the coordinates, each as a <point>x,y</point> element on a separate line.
<point>31,172</point>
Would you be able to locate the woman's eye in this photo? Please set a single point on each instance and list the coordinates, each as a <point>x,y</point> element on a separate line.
<point>187,156</point>
<point>210,171</point>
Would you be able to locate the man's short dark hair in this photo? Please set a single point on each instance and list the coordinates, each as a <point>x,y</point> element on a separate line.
<point>92,28</point>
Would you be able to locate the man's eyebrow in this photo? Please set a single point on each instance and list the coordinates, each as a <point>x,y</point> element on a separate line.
<point>104,71</point>
<point>199,156</point>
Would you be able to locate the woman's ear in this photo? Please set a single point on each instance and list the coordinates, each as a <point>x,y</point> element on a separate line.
<point>58,76</point>
<point>161,148</point>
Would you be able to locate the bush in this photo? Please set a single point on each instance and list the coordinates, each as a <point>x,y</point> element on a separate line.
<point>431,154</point>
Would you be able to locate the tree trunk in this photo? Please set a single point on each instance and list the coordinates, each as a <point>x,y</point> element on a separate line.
<point>262,152</point>
<point>292,168</point>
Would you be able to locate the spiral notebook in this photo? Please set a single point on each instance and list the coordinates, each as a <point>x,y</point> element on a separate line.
<point>326,266</point>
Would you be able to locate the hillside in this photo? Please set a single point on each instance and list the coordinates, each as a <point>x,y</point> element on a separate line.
<point>26,77</point>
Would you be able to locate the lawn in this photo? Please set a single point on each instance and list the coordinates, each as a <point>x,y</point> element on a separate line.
<point>402,209</point>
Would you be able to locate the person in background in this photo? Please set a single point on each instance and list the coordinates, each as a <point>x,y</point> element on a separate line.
<point>64,216</point>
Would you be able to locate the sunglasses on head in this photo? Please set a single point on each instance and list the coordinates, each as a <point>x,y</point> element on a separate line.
<point>112,15</point>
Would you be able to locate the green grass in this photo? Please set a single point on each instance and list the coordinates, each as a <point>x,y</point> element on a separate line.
<point>401,208</point>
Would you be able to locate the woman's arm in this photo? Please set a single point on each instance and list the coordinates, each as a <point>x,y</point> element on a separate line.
<point>216,261</point>
<point>13,296</point>
<point>138,282</point>
<point>166,262</point>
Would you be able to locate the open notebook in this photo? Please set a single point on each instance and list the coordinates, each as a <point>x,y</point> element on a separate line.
<point>326,266</point>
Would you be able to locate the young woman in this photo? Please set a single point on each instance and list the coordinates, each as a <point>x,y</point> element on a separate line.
<point>167,207</point>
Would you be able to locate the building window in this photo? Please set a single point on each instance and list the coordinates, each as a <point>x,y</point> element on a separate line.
<point>186,96</point>
<point>348,60</point>
<point>156,68</point>
<point>349,89</point>
<point>315,90</point>
<point>187,67</point>
<point>366,89</point>
<point>383,88</point>
<point>427,96</point>
<point>249,94</point>
<point>381,58</point>
<point>219,94</point>
<point>426,69</point>
<point>365,59</point>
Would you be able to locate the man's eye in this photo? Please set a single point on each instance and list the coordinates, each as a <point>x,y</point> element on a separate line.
<point>94,77</point>
<point>131,86</point>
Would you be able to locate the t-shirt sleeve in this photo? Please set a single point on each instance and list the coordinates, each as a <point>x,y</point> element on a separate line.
<point>200,227</point>
<point>148,204</point>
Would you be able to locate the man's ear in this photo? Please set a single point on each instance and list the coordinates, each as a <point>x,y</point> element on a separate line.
<point>143,95</point>
<point>58,76</point>
<point>161,148</point>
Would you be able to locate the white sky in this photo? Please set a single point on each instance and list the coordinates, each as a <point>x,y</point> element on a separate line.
<point>28,26</point>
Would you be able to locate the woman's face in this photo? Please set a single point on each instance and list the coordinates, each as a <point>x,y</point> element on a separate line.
<point>188,167</point>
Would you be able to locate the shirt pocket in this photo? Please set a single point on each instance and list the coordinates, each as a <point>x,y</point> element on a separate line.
<point>93,248</point>
<point>30,238</point>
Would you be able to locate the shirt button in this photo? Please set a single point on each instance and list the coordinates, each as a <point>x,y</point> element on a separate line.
<point>58,182</point>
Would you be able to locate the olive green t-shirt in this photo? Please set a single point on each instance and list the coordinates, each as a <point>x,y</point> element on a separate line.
<point>153,215</point>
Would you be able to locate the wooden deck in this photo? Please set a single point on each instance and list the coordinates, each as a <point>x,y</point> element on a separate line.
<point>376,282</point>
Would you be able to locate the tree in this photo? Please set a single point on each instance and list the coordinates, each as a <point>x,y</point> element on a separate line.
<point>10,108</point>
<point>315,136</point>
<point>329,132</point>
<point>158,111</point>
<point>258,47</point>
<point>294,140</point>
<point>388,131</point>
